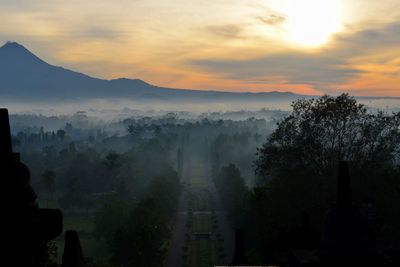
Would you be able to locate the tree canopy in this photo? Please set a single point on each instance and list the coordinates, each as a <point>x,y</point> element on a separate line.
<point>320,132</point>
<point>299,164</point>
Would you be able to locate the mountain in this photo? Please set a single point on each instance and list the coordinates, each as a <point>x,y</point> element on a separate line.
<point>24,76</point>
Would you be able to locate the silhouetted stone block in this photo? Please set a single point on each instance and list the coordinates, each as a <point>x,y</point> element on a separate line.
<point>239,257</point>
<point>26,228</point>
<point>73,255</point>
<point>347,240</point>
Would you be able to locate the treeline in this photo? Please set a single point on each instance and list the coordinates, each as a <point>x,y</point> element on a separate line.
<point>82,170</point>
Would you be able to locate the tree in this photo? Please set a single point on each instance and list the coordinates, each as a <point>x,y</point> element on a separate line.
<point>233,192</point>
<point>48,179</point>
<point>113,162</point>
<point>61,134</point>
<point>140,239</point>
<point>131,129</point>
<point>299,161</point>
<point>180,162</point>
<point>68,128</point>
<point>74,196</point>
<point>113,213</point>
<point>320,132</point>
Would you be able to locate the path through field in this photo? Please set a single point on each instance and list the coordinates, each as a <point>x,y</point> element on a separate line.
<point>201,235</point>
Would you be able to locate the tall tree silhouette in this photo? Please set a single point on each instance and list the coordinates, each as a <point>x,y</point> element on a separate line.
<point>48,179</point>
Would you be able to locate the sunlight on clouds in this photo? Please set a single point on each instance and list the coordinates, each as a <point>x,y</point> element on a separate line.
<point>155,40</point>
<point>312,22</point>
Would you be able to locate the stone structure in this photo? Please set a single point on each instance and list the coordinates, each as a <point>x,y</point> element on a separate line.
<point>239,256</point>
<point>26,229</point>
<point>347,240</point>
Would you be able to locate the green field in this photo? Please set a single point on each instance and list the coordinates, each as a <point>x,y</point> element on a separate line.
<point>83,222</point>
<point>203,244</point>
<point>92,248</point>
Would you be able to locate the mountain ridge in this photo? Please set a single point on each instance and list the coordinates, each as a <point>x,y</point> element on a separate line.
<point>23,75</point>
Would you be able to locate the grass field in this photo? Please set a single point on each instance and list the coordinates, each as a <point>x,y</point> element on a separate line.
<point>92,248</point>
<point>203,247</point>
<point>83,222</point>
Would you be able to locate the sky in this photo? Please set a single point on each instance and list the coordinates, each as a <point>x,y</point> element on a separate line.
<point>302,46</point>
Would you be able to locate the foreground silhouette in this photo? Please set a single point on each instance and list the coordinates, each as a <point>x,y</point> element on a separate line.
<point>347,240</point>
<point>239,257</point>
<point>26,228</point>
<point>73,255</point>
<point>347,236</point>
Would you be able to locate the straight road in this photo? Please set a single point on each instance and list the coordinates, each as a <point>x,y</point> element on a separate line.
<point>195,157</point>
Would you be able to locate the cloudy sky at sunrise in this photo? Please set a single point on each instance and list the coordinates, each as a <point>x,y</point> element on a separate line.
<point>303,46</point>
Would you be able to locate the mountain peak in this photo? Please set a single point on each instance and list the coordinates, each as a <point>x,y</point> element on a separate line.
<point>13,46</point>
<point>16,52</point>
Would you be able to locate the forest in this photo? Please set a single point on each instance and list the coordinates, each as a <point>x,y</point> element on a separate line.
<point>169,189</point>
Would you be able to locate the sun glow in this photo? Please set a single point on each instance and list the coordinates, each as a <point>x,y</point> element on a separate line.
<point>312,22</point>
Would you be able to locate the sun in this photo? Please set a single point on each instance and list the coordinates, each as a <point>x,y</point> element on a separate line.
<point>311,23</point>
